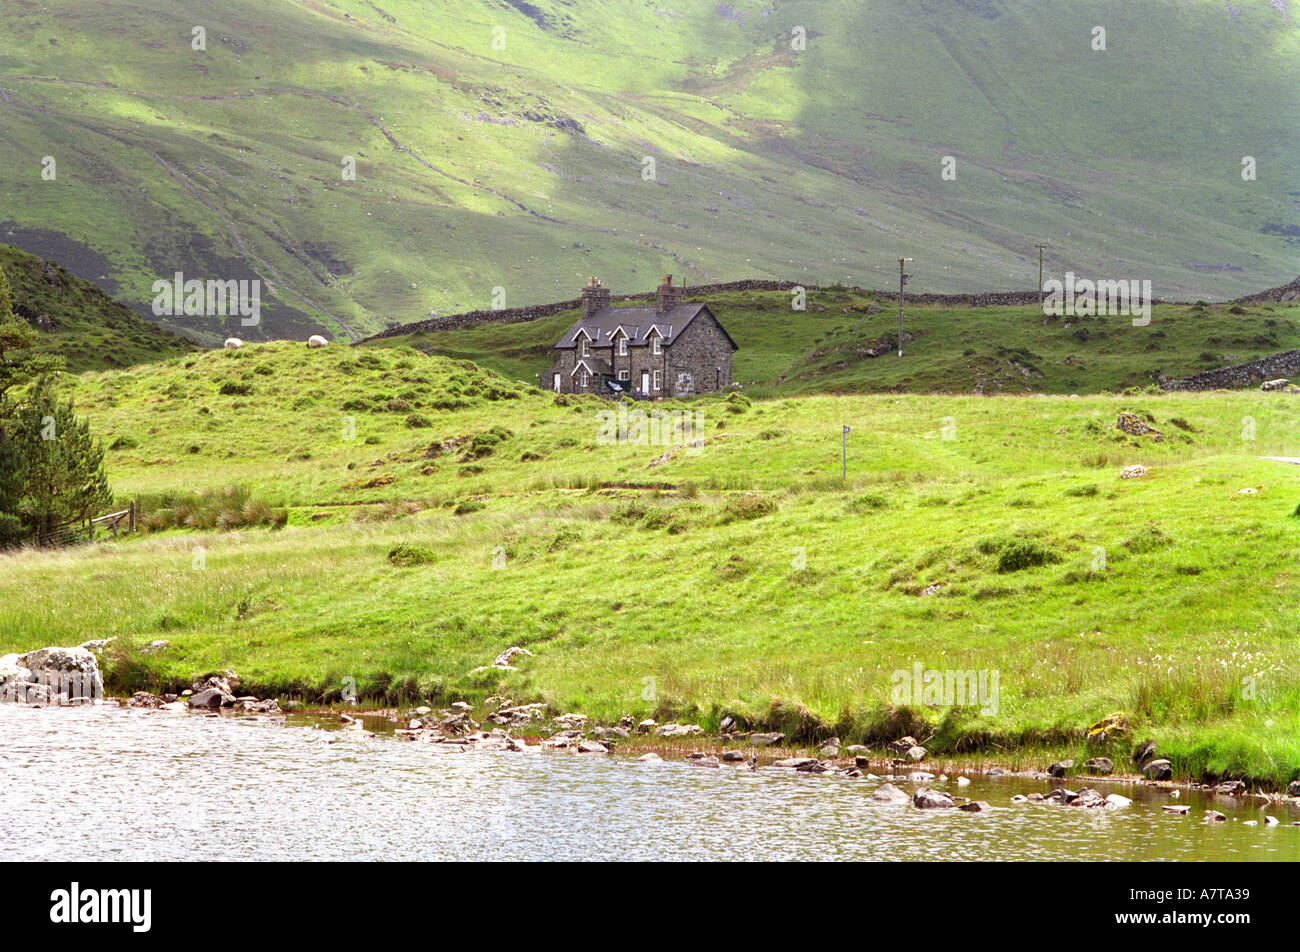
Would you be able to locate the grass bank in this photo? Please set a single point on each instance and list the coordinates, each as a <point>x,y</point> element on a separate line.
<point>460,514</point>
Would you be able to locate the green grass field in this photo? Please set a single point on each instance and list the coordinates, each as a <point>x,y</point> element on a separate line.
<point>744,579</point>
<point>521,165</point>
<point>955,349</point>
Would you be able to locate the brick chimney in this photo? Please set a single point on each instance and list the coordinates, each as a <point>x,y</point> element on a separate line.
<point>667,296</point>
<point>594,297</point>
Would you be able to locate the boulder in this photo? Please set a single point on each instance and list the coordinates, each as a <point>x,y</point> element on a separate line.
<point>862,762</point>
<point>857,750</point>
<point>1020,798</point>
<point>1159,769</point>
<point>794,763</point>
<point>80,660</point>
<point>1293,790</point>
<point>650,758</point>
<point>927,799</point>
<point>1230,788</point>
<point>766,740</point>
<point>1270,821</point>
<point>1136,471</point>
<point>679,730</point>
<point>975,806</point>
<point>1059,768</point>
<point>904,744</point>
<point>611,733</point>
<point>504,658</point>
<point>733,756</point>
<point>211,699</point>
<point>592,747</point>
<point>146,700</point>
<point>963,781</point>
<point>1117,802</point>
<point>12,671</point>
<point>1088,799</point>
<point>830,748</point>
<point>1101,766</point>
<point>1134,425</point>
<point>706,762</point>
<point>26,692</point>
<point>888,793</point>
<point>646,726</point>
<point>916,753</point>
<point>1177,809</point>
<point>1144,752</point>
<point>1281,383</point>
<point>1214,816</point>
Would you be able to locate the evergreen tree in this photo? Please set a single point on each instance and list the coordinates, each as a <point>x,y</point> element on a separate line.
<point>51,469</point>
<point>65,479</point>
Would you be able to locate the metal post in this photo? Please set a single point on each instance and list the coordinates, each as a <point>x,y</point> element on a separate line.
<point>844,461</point>
<point>1040,274</point>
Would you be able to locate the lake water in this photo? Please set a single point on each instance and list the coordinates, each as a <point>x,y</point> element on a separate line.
<point>119,784</point>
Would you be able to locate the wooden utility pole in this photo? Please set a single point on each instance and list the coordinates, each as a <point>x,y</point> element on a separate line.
<point>902,279</point>
<point>1040,274</point>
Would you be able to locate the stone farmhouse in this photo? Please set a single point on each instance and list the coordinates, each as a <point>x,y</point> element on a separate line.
<point>670,349</point>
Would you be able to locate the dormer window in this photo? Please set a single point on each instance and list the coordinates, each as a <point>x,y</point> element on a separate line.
<point>622,346</point>
<point>586,347</point>
<point>656,342</point>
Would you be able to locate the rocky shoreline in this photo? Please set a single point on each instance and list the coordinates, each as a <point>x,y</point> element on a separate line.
<point>60,676</point>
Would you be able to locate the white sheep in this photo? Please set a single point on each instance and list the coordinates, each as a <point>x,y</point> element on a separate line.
<point>316,341</point>
<point>233,342</point>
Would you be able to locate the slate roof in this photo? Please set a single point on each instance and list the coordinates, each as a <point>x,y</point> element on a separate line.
<point>636,322</point>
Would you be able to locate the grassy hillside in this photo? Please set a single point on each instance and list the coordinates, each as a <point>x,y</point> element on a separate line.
<point>746,578</point>
<point>954,349</point>
<point>520,165</point>
<point>80,323</point>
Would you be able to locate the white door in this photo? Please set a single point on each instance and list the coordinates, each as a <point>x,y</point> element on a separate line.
<point>555,382</point>
<point>645,381</point>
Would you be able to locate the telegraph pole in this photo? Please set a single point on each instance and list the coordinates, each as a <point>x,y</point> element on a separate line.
<point>1040,273</point>
<point>902,279</point>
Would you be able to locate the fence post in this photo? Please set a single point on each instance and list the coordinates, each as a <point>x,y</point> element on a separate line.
<point>132,519</point>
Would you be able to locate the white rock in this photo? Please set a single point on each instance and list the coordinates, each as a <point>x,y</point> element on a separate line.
<point>963,781</point>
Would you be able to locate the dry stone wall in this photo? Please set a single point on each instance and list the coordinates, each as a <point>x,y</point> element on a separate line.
<point>1251,373</point>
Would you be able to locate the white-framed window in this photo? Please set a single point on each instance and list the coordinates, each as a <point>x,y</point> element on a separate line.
<point>586,347</point>
<point>622,346</point>
<point>658,379</point>
<point>657,346</point>
<point>584,380</point>
<point>623,375</point>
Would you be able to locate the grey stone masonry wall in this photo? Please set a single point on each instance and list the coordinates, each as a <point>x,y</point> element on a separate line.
<point>1252,373</point>
<point>699,360</point>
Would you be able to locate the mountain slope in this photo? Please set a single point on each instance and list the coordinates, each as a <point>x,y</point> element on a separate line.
<point>521,166</point>
<point>80,323</point>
